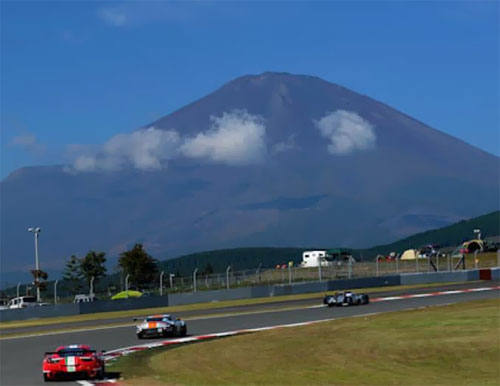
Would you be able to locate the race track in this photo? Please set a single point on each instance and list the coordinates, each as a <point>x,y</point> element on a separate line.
<point>20,358</point>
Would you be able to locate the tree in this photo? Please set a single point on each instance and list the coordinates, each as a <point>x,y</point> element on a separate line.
<point>138,264</point>
<point>92,265</point>
<point>208,270</point>
<point>73,273</point>
<point>39,279</point>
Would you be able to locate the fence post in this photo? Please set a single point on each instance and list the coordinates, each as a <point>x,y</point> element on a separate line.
<point>17,289</point>
<point>397,264</point>
<point>475,259</point>
<point>194,279</point>
<point>126,284</point>
<point>448,256</point>
<point>289,274</point>
<point>416,262</point>
<point>227,276</point>
<point>319,268</point>
<point>161,283</point>
<point>377,265</point>
<point>437,261</point>
<point>92,287</point>
<point>258,272</point>
<point>349,265</point>
<point>55,291</point>
<point>171,279</point>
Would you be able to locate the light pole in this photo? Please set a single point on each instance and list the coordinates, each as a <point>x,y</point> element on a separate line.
<point>126,284</point>
<point>17,289</point>
<point>91,295</point>
<point>36,232</point>
<point>171,279</point>
<point>161,283</point>
<point>227,276</point>
<point>55,291</point>
<point>194,279</point>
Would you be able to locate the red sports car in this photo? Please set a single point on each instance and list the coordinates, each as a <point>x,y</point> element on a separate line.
<point>77,360</point>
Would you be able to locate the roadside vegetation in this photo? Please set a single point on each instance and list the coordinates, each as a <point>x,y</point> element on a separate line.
<point>448,345</point>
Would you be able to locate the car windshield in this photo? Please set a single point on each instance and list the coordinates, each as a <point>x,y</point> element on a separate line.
<point>29,299</point>
<point>156,319</point>
<point>73,352</point>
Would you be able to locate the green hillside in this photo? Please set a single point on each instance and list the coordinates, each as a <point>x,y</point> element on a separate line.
<point>237,258</point>
<point>251,258</point>
<point>448,236</point>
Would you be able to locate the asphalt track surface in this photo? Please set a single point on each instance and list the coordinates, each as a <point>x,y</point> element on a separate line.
<point>21,358</point>
<point>226,310</point>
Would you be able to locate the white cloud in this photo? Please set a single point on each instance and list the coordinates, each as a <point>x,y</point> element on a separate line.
<point>347,132</point>
<point>135,13</point>
<point>235,138</point>
<point>287,145</point>
<point>114,16</point>
<point>28,142</point>
<point>147,149</point>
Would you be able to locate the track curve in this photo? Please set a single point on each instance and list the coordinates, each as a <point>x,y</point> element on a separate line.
<point>20,358</point>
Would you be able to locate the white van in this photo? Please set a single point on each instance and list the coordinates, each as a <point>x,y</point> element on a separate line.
<point>23,302</point>
<point>84,298</point>
<point>311,259</point>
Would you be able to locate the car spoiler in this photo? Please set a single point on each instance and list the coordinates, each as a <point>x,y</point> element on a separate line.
<point>55,352</point>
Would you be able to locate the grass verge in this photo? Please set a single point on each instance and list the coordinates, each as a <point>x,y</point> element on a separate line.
<point>449,345</point>
<point>194,307</point>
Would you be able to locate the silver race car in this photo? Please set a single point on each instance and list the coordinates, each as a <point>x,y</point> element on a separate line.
<point>346,298</point>
<point>161,326</point>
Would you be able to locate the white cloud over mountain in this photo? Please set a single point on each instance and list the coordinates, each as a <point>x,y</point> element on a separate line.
<point>144,149</point>
<point>234,138</point>
<point>346,131</point>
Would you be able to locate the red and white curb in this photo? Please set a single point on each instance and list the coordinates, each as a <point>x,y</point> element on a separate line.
<point>128,350</point>
<point>440,293</point>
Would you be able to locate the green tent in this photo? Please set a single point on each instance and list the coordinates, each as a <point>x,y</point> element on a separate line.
<point>127,294</point>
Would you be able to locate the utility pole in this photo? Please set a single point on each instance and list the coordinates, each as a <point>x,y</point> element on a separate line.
<point>36,231</point>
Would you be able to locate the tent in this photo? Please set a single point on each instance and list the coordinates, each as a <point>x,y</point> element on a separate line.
<point>409,254</point>
<point>123,295</point>
<point>473,245</point>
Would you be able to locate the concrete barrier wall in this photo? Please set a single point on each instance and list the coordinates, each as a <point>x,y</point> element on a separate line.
<point>210,296</point>
<point>299,288</point>
<point>495,274</point>
<point>240,293</point>
<point>363,282</point>
<point>40,312</point>
<point>123,304</point>
<point>438,277</point>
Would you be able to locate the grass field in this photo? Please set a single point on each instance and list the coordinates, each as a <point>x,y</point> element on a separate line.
<point>448,345</point>
<point>192,307</point>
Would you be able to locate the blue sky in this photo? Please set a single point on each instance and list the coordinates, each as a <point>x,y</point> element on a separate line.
<point>77,73</point>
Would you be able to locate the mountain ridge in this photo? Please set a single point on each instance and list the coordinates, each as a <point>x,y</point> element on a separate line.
<point>405,178</point>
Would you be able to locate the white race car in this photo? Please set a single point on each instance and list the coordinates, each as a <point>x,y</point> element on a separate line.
<point>160,326</point>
